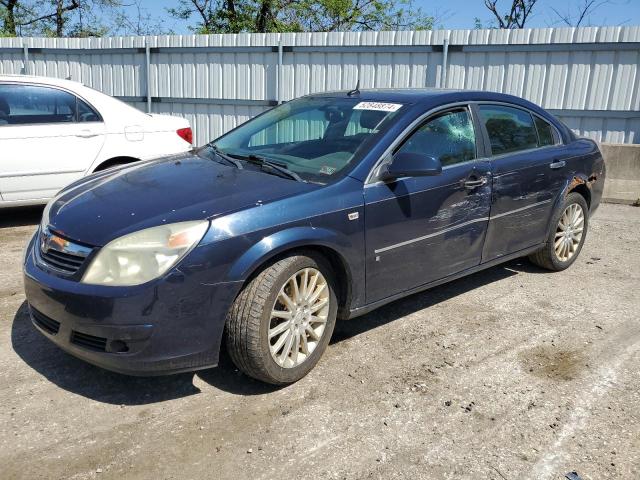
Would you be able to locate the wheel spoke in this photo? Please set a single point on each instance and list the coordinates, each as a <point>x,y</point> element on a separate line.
<point>312,284</point>
<point>304,344</point>
<point>277,330</point>
<point>281,314</point>
<point>304,284</point>
<point>281,341</point>
<point>286,351</point>
<point>286,300</point>
<point>295,348</point>
<point>576,213</point>
<point>317,293</point>
<point>295,290</point>
<point>312,333</point>
<point>317,319</point>
<point>319,305</point>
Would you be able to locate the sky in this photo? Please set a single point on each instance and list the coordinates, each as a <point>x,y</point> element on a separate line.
<point>461,14</point>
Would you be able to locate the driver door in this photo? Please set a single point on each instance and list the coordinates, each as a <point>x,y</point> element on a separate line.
<point>421,229</point>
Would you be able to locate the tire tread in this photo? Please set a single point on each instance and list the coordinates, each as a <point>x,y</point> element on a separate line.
<point>244,320</point>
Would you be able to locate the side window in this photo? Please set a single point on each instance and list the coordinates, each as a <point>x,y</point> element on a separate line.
<point>28,104</point>
<point>86,113</point>
<point>510,129</point>
<point>448,137</point>
<point>545,134</point>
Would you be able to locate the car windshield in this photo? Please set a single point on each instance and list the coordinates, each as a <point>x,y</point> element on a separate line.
<point>315,138</point>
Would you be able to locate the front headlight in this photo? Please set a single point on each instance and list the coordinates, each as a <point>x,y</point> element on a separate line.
<point>142,256</point>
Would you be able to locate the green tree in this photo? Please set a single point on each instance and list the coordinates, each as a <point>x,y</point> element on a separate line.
<point>235,16</point>
<point>55,18</point>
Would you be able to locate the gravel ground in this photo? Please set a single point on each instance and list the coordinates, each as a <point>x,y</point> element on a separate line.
<point>511,373</point>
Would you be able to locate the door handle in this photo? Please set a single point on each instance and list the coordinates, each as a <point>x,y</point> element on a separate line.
<point>471,184</point>
<point>86,134</point>
<point>557,164</point>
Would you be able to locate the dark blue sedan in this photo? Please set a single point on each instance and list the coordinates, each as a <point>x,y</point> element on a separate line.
<point>324,207</point>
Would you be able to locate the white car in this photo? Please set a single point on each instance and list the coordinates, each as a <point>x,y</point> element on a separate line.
<point>53,132</point>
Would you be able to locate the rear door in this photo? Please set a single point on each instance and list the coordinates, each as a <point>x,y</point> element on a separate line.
<point>48,138</point>
<point>527,177</point>
<point>421,229</point>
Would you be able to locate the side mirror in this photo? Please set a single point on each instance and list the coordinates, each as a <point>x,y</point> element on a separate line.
<point>408,164</point>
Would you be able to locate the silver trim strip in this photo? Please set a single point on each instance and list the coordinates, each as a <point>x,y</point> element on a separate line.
<point>448,229</point>
<point>431,235</point>
<point>493,217</point>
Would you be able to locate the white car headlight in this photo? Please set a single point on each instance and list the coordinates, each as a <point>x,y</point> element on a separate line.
<point>144,255</point>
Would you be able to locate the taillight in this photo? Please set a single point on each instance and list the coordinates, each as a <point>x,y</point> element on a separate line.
<point>186,134</point>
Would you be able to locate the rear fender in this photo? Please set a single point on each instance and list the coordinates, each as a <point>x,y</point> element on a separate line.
<point>569,185</point>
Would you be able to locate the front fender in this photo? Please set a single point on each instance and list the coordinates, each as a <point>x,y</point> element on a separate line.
<point>291,238</point>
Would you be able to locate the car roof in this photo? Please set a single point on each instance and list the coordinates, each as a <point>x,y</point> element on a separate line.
<point>58,82</point>
<point>428,96</point>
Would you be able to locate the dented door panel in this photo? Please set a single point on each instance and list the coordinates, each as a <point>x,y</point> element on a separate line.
<point>524,190</point>
<point>422,229</point>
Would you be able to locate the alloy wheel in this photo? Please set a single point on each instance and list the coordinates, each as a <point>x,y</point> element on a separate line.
<point>569,232</point>
<point>298,317</point>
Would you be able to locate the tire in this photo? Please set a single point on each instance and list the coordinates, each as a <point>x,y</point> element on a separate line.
<point>250,319</point>
<point>556,259</point>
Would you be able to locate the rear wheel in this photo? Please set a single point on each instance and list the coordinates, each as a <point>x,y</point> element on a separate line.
<point>567,235</point>
<point>281,322</point>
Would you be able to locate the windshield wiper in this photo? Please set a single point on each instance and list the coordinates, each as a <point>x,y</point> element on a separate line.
<point>225,157</point>
<point>263,162</point>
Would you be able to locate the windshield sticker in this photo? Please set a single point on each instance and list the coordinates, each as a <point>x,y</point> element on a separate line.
<point>327,170</point>
<point>381,106</point>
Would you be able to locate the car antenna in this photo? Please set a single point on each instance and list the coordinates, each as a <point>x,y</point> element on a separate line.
<point>355,91</point>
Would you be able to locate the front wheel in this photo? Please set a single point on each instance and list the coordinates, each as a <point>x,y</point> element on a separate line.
<point>567,235</point>
<point>282,320</point>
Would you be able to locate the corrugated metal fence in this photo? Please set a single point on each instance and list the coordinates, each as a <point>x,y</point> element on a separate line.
<point>587,76</point>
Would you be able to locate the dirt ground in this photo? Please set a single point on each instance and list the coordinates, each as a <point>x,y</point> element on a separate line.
<point>512,373</point>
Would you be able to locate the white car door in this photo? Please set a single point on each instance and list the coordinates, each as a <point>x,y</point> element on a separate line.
<point>48,138</point>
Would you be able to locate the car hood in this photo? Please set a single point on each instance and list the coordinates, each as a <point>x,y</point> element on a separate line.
<point>105,206</point>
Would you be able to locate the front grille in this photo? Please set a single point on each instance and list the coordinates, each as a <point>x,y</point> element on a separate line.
<point>47,324</point>
<point>98,344</point>
<point>60,254</point>
<point>62,261</point>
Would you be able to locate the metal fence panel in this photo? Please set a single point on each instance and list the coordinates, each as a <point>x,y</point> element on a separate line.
<point>587,76</point>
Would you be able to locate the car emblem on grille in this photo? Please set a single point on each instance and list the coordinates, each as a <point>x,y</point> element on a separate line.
<point>49,241</point>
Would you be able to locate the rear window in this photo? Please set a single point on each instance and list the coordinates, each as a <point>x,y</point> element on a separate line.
<point>32,104</point>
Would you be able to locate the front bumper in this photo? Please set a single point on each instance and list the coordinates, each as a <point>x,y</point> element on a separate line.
<point>170,325</point>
